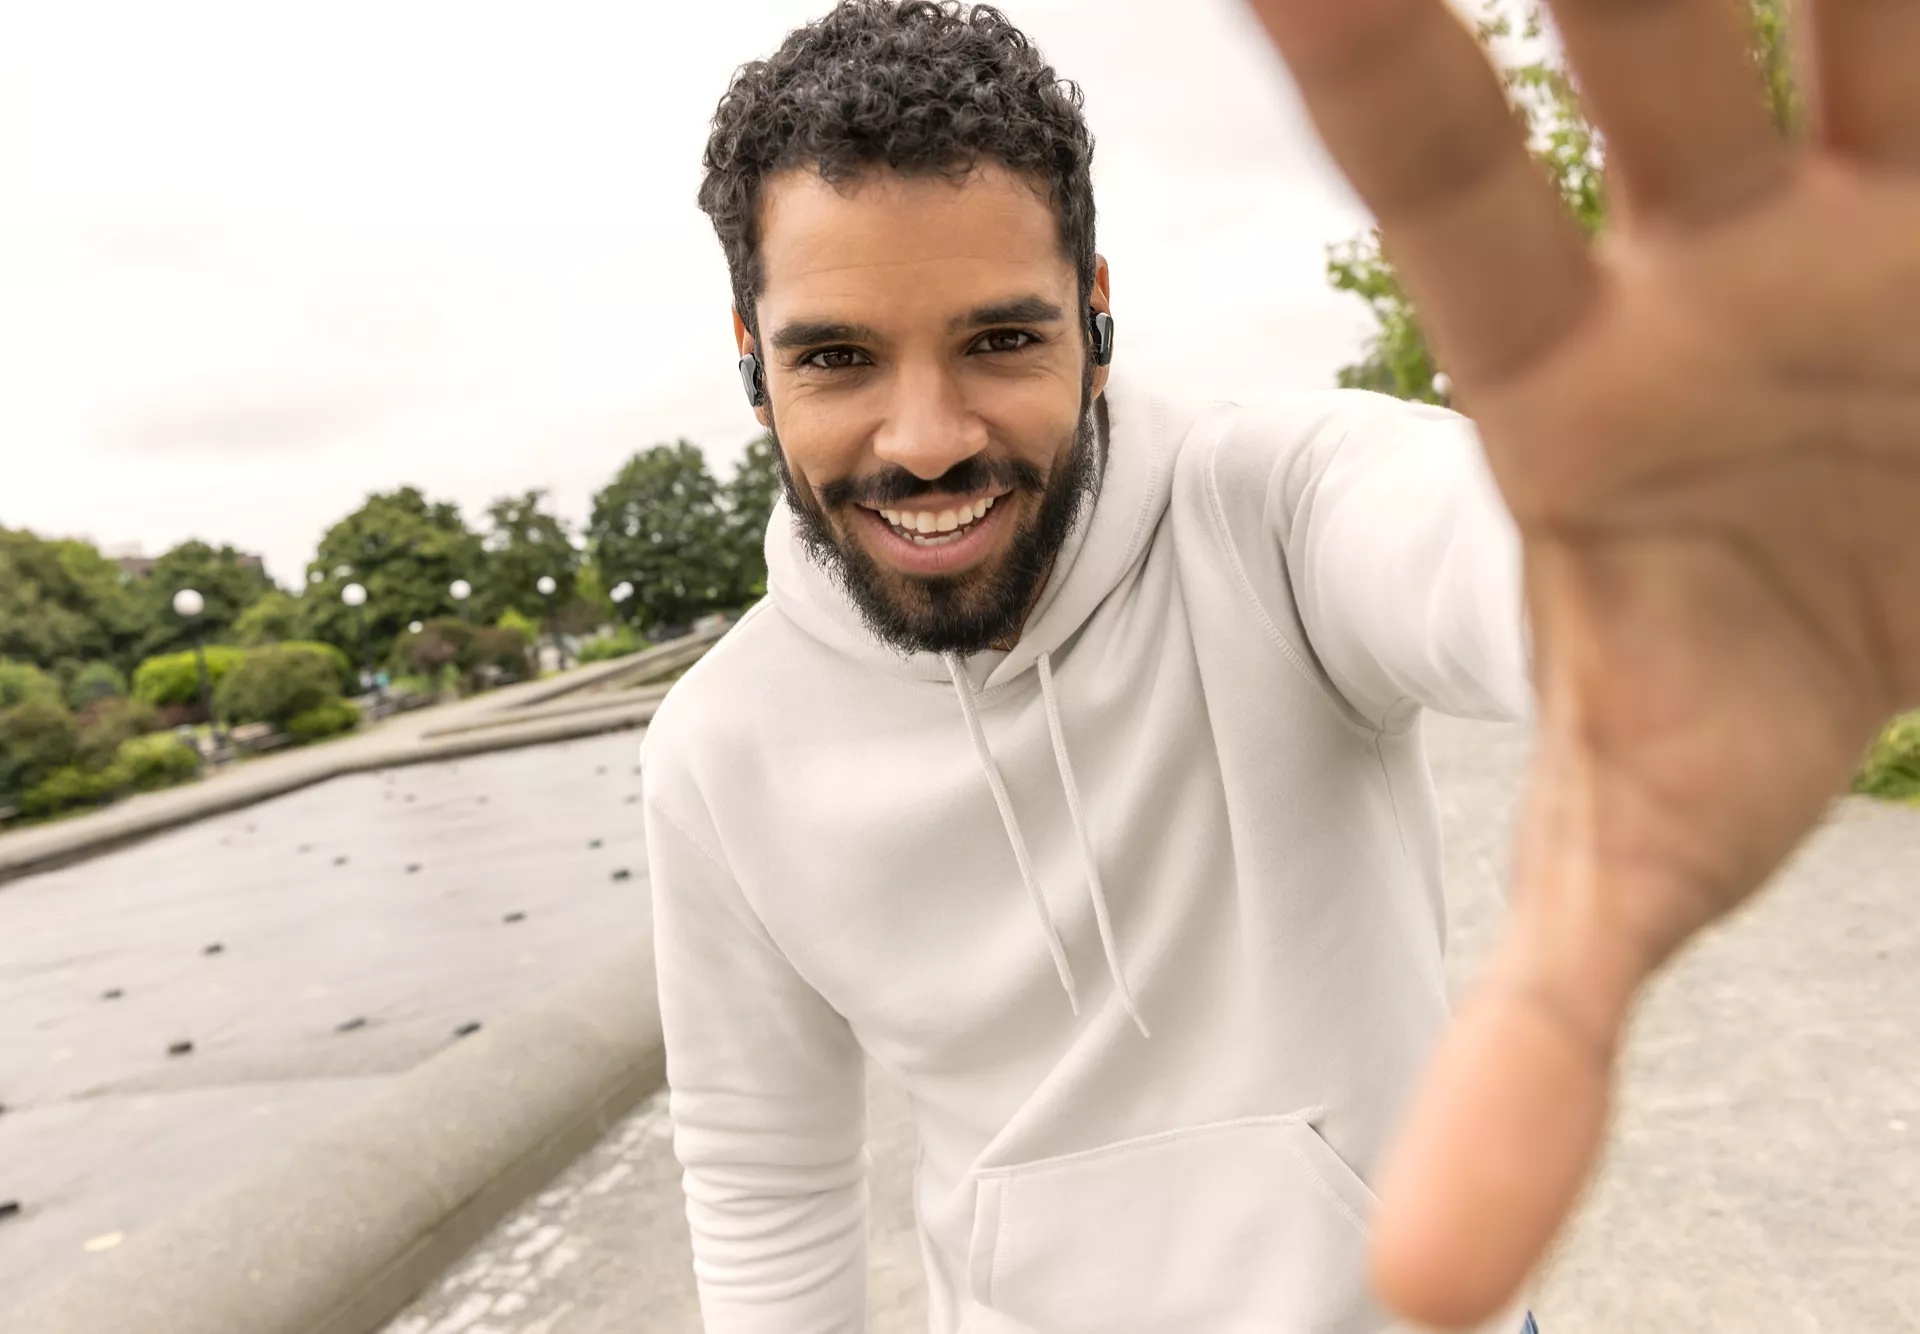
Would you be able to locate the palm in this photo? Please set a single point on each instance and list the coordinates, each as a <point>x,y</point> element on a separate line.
<point>1709,432</point>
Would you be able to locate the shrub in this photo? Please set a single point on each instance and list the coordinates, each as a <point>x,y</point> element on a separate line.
<point>148,762</point>
<point>94,682</point>
<point>172,678</point>
<point>503,651</point>
<point>520,625</point>
<point>1892,767</point>
<point>107,724</point>
<point>22,681</point>
<point>439,643</point>
<point>323,720</point>
<point>274,684</point>
<point>66,788</point>
<point>343,667</point>
<point>36,738</point>
<point>619,644</point>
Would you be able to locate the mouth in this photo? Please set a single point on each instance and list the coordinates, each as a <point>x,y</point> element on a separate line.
<point>929,541</point>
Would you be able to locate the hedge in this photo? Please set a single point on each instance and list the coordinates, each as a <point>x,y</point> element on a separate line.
<point>149,762</point>
<point>94,682</point>
<point>323,720</point>
<point>274,684</point>
<point>172,678</point>
<point>108,724</point>
<point>22,681</point>
<point>36,738</point>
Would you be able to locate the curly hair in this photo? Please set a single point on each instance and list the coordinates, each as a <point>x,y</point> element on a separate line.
<point>920,87</point>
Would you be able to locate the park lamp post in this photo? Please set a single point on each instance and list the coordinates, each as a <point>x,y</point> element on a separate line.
<point>188,604</point>
<point>1443,387</point>
<point>620,592</point>
<point>355,596</point>
<point>460,590</point>
<point>546,585</point>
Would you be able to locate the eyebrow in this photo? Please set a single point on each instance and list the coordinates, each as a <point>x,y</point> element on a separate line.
<point>813,333</point>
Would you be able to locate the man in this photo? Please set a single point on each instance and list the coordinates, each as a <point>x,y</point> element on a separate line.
<point>1070,770</point>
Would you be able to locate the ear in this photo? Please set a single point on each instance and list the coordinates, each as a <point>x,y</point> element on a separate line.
<point>1101,299</point>
<point>744,343</point>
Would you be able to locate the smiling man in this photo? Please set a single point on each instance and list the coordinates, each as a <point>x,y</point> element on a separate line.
<point>1071,770</point>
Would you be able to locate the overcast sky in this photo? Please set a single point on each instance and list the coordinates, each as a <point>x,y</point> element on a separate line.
<point>259,260</point>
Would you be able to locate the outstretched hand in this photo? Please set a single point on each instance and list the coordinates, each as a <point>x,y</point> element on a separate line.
<point>1707,426</point>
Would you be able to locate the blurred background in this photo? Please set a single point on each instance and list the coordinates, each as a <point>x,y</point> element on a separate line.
<point>373,458</point>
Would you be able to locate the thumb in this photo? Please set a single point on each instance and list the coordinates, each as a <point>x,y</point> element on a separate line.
<point>1507,1127</point>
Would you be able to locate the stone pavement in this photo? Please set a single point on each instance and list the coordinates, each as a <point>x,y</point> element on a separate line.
<point>1764,1173</point>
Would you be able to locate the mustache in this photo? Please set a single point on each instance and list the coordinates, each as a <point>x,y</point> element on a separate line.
<point>978,473</point>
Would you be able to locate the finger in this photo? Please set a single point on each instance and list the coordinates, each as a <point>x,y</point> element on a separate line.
<point>1672,87</point>
<point>1863,96</point>
<point>1418,121</point>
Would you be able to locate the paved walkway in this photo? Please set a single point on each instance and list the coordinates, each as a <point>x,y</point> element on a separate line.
<point>1764,1175</point>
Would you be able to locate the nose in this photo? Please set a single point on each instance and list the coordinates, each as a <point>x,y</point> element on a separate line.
<point>929,426</point>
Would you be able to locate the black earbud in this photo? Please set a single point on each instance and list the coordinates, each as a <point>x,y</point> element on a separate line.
<point>753,378</point>
<point>1101,325</point>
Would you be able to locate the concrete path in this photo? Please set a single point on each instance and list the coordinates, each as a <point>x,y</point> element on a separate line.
<point>1764,1174</point>
<point>413,901</point>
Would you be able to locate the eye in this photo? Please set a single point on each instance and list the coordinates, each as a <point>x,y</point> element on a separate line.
<point>1006,340</point>
<point>835,359</point>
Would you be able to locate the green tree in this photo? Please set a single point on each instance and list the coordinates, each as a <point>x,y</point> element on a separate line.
<point>62,601</point>
<point>222,576</point>
<point>1397,360</point>
<point>750,496</point>
<point>275,617</point>
<point>406,551</point>
<point>659,525</point>
<point>525,543</point>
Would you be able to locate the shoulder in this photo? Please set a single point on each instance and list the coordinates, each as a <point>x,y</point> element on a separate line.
<point>708,712</point>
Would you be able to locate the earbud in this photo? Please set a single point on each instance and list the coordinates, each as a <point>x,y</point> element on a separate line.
<point>753,378</point>
<point>1101,325</point>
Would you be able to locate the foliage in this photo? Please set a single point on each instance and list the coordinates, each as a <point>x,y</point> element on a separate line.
<point>273,684</point>
<point>94,682</point>
<point>440,643</point>
<point>36,738</point>
<point>1892,768</point>
<point>617,644</point>
<point>493,650</point>
<point>344,670</point>
<point>658,525</point>
<point>520,625</point>
<point>750,496</point>
<point>275,617</point>
<point>61,599</point>
<point>227,582</point>
<point>158,760</point>
<point>591,608</point>
<point>22,681</point>
<point>68,787</point>
<point>524,543</point>
<point>107,724</point>
<point>1397,360</point>
<point>406,552</point>
<point>173,678</point>
<point>323,720</point>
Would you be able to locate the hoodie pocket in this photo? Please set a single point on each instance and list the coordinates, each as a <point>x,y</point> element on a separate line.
<point>1233,1228</point>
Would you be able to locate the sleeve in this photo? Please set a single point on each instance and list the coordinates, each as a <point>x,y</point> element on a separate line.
<point>767,1095</point>
<point>1401,557</point>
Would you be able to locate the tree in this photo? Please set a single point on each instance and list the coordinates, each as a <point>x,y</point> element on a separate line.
<point>1397,360</point>
<point>750,496</point>
<point>525,543</point>
<point>275,617</point>
<point>61,601</point>
<point>659,526</point>
<point>221,576</point>
<point>406,551</point>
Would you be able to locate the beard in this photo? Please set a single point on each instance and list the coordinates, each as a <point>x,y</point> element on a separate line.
<point>976,609</point>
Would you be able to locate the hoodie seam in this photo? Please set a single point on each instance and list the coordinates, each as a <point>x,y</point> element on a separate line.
<point>1334,704</point>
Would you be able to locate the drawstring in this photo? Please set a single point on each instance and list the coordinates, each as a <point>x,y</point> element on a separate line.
<point>1086,844</point>
<point>964,688</point>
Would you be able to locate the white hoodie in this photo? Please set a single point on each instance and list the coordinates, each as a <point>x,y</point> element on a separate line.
<point>1145,915</point>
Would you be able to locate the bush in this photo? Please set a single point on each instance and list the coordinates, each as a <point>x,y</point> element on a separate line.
<point>108,724</point>
<point>172,678</point>
<point>343,668</point>
<point>502,651</point>
<point>1892,767</point>
<point>274,618</point>
<point>441,642</point>
<point>616,645</point>
<point>36,738</point>
<point>274,684</point>
<point>22,681</point>
<point>66,788</point>
<point>94,682</point>
<point>149,762</point>
<point>323,720</point>
<point>520,625</point>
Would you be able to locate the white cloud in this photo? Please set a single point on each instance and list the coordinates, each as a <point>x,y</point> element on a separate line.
<point>262,259</point>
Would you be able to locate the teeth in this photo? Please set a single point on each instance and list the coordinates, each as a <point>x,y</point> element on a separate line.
<point>927,524</point>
